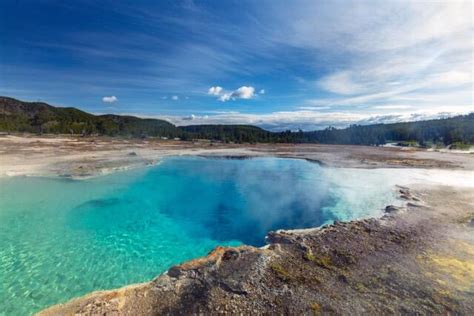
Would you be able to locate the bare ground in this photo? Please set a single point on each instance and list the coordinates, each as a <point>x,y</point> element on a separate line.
<point>78,157</point>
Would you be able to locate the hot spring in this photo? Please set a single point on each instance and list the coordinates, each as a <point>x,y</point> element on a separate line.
<point>63,238</point>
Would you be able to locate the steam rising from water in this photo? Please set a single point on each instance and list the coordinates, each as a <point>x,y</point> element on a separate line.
<point>243,200</point>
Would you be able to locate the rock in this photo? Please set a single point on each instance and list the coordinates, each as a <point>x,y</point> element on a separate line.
<point>392,209</point>
<point>405,194</point>
<point>230,254</point>
<point>402,187</point>
<point>278,237</point>
<point>174,272</point>
<point>342,278</point>
<point>132,153</point>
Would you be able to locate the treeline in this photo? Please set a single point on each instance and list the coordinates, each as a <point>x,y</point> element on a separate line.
<point>38,117</point>
<point>228,133</point>
<point>459,129</point>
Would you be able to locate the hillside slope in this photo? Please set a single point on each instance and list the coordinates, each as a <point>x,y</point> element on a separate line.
<point>38,117</point>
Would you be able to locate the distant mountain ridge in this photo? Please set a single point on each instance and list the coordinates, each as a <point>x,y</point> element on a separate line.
<point>39,117</point>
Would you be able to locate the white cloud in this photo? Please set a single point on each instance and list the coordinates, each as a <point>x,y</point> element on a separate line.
<point>368,26</point>
<point>110,99</point>
<point>244,92</point>
<point>386,54</point>
<point>189,118</point>
<point>341,83</point>
<point>214,90</point>
<point>225,97</point>
<point>392,107</point>
<point>433,86</point>
<point>174,98</point>
<point>314,108</point>
<point>433,91</point>
<point>312,119</point>
<point>451,78</point>
<point>262,91</point>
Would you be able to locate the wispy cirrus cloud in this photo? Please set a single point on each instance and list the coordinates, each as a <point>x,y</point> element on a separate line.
<point>424,49</point>
<point>319,59</point>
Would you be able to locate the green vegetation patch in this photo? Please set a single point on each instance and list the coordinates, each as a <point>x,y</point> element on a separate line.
<point>466,219</point>
<point>324,261</point>
<point>281,272</point>
<point>360,287</point>
<point>460,146</point>
<point>408,143</point>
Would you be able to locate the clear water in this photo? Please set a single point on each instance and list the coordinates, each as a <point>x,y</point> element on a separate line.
<point>62,238</point>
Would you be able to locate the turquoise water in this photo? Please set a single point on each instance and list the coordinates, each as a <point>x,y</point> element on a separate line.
<point>63,238</point>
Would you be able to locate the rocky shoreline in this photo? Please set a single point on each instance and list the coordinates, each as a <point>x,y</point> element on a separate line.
<point>418,259</point>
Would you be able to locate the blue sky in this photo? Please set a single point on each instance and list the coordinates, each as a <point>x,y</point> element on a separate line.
<point>276,64</point>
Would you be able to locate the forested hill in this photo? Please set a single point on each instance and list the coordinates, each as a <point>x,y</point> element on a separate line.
<point>38,117</point>
<point>458,129</point>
